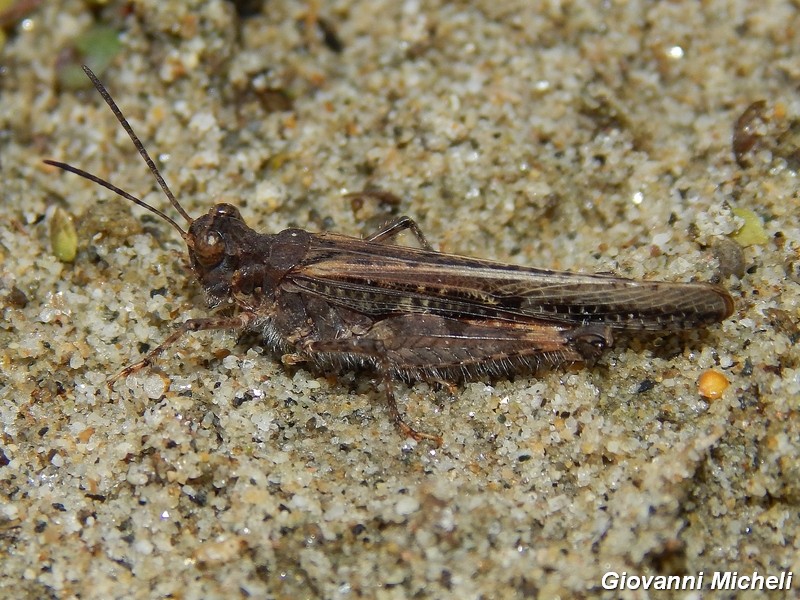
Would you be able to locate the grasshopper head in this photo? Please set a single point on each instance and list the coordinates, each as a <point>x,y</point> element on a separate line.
<point>217,242</point>
<point>207,236</point>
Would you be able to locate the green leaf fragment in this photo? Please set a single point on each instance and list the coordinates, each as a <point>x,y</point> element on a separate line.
<point>96,47</point>
<point>63,237</point>
<point>752,233</point>
<point>99,44</point>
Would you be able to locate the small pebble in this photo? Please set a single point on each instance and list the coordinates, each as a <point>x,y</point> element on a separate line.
<point>712,384</point>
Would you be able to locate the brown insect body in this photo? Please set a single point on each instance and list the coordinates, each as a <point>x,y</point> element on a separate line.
<point>339,299</point>
<point>409,312</point>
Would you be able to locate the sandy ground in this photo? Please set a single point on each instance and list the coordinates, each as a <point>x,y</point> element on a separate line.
<point>556,135</point>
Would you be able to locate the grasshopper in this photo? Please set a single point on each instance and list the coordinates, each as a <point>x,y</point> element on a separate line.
<point>405,312</point>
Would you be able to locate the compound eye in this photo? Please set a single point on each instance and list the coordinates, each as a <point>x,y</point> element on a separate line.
<point>213,238</point>
<point>211,250</point>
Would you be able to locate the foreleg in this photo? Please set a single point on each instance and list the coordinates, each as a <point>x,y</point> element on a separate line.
<point>240,321</point>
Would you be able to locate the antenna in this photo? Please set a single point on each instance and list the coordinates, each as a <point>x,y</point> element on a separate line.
<point>144,154</point>
<point>116,190</point>
<point>135,139</point>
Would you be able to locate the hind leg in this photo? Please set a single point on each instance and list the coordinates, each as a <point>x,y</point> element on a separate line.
<point>374,350</point>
